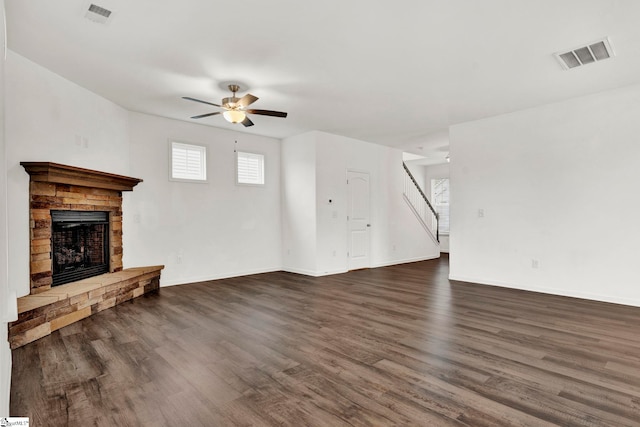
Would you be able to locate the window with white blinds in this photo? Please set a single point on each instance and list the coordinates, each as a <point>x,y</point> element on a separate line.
<point>188,162</point>
<point>250,168</point>
<point>440,201</point>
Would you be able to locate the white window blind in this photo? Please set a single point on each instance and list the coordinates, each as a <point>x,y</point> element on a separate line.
<point>188,162</point>
<point>250,167</point>
<point>440,199</point>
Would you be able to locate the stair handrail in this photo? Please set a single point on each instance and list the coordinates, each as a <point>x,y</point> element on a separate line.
<point>424,197</point>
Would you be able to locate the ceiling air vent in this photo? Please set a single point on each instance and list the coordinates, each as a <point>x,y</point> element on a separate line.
<point>98,14</point>
<point>593,52</point>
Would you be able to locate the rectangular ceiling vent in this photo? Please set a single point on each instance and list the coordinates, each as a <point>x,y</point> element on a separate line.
<point>98,14</point>
<point>583,55</point>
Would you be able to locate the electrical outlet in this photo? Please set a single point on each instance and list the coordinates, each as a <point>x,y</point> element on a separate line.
<point>535,263</point>
<point>480,213</point>
<point>136,218</point>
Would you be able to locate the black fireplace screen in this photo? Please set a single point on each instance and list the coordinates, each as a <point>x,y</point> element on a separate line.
<point>80,245</point>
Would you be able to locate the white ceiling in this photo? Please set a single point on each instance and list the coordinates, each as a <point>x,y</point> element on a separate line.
<point>395,73</point>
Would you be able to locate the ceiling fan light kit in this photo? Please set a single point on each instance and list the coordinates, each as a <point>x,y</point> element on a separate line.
<point>236,108</point>
<point>234,116</point>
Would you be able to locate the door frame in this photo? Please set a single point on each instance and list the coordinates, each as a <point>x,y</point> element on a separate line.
<point>348,229</point>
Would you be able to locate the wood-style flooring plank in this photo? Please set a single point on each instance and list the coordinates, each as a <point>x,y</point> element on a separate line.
<point>392,346</point>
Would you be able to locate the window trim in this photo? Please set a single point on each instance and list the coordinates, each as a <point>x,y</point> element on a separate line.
<point>205,162</point>
<point>264,168</point>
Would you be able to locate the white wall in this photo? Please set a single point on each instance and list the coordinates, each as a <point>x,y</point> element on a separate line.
<point>396,234</point>
<point>219,229</point>
<point>436,172</point>
<point>558,184</point>
<point>7,300</point>
<point>418,171</point>
<point>200,231</point>
<point>52,119</point>
<point>298,204</point>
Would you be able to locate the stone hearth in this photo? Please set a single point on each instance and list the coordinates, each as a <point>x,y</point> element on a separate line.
<point>54,186</point>
<point>43,313</point>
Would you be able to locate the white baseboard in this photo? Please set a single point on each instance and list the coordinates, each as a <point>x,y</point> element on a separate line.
<point>375,265</point>
<point>405,261</point>
<point>312,273</point>
<point>550,291</point>
<point>196,279</point>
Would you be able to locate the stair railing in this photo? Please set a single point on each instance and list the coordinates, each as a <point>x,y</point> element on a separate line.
<point>420,203</point>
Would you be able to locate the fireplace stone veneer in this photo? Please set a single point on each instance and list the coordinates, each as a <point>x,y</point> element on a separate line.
<point>59,187</point>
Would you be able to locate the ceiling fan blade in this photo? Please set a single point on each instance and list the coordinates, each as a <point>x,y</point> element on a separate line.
<point>246,100</point>
<point>198,100</point>
<point>205,115</point>
<point>247,122</point>
<point>267,113</point>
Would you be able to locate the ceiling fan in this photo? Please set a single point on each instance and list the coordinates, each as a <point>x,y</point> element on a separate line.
<point>236,108</point>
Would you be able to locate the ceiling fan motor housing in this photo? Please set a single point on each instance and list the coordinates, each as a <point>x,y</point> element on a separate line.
<point>230,102</point>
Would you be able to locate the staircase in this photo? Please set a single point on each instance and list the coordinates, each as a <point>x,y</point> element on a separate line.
<point>420,205</point>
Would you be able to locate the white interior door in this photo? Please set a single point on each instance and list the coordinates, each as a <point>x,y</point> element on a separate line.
<point>358,219</point>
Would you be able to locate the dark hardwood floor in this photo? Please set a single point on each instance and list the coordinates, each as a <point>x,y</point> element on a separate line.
<point>398,345</point>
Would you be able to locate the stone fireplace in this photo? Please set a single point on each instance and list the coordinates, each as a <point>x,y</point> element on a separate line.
<point>76,249</point>
<point>58,188</point>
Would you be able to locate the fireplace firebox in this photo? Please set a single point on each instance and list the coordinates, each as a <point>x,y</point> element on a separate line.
<point>80,245</point>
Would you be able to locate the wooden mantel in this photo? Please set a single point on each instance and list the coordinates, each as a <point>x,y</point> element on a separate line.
<point>72,175</point>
